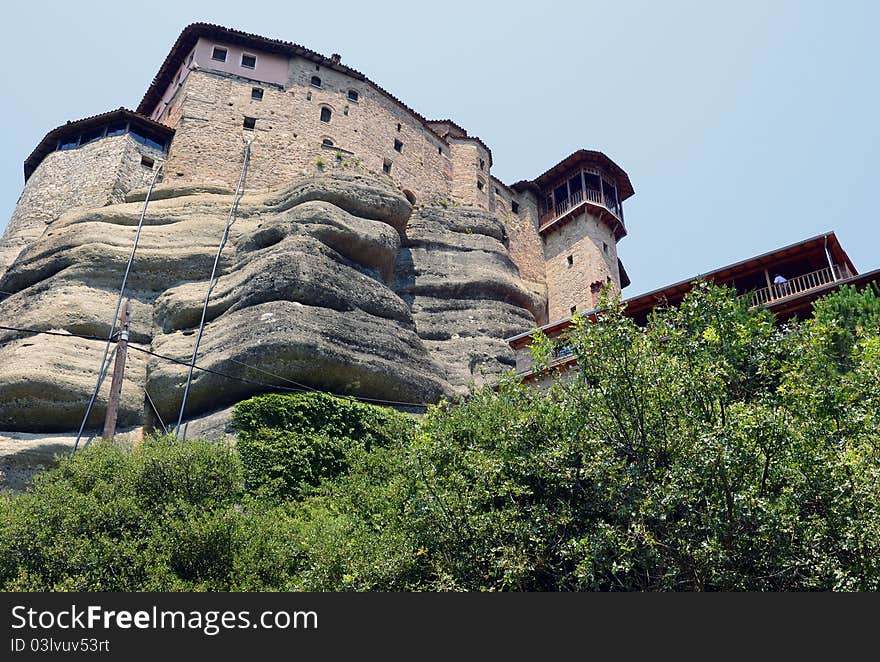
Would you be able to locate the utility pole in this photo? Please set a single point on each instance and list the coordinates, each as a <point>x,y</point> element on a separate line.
<point>118,371</point>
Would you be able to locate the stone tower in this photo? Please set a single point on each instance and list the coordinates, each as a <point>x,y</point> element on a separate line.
<point>579,208</point>
<point>88,163</point>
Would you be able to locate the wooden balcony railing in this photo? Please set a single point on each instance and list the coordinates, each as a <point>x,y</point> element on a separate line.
<point>576,199</point>
<point>796,285</point>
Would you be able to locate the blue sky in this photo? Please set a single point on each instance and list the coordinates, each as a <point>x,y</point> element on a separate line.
<point>743,126</point>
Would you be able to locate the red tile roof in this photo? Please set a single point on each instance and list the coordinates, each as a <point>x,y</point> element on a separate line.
<point>783,308</point>
<point>575,159</point>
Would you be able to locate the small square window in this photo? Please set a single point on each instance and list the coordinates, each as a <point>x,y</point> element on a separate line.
<point>398,146</point>
<point>248,61</point>
<point>250,123</point>
<point>147,162</point>
<point>514,207</point>
<point>386,167</point>
<point>570,260</point>
<point>257,93</point>
<point>353,95</point>
<point>218,54</point>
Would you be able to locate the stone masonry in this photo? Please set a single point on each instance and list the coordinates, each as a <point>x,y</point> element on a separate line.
<point>374,253</point>
<point>93,175</point>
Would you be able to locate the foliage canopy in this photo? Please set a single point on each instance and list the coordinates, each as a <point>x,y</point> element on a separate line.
<point>708,450</point>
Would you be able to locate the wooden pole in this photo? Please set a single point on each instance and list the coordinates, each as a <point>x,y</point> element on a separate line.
<point>118,371</point>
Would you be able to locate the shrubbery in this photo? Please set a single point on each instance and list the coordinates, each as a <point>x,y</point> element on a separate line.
<point>291,443</point>
<point>708,450</point>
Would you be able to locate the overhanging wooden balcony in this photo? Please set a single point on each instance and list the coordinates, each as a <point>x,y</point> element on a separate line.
<point>796,286</point>
<point>573,196</point>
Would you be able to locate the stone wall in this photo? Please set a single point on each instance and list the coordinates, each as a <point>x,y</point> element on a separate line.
<point>590,244</point>
<point>93,175</point>
<point>526,248</point>
<point>289,134</point>
<point>470,171</point>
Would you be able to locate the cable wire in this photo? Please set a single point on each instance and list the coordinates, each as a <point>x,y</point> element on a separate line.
<point>229,221</point>
<point>297,388</point>
<point>112,333</point>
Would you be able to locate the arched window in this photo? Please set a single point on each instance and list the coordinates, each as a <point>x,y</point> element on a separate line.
<point>325,114</point>
<point>316,81</point>
<point>327,142</point>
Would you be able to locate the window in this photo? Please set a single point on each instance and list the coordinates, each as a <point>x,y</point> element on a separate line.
<point>250,123</point>
<point>399,126</point>
<point>605,247</point>
<point>570,260</point>
<point>482,164</point>
<point>257,93</point>
<point>147,162</point>
<point>327,142</point>
<point>218,54</point>
<point>440,151</point>
<point>147,139</point>
<point>386,166</point>
<point>89,136</point>
<point>480,185</point>
<point>325,114</point>
<point>248,61</point>
<point>497,192</point>
<point>316,81</point>
<point>398,146</point>
<point>68,144</point>
<point>573,309</point>
<point>116,129</point>
<point>514,207</point>
<point>353,95</point>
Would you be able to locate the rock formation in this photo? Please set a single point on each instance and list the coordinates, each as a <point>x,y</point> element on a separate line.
<point>332,282</point>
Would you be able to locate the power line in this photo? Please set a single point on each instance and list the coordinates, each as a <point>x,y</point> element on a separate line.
<point>297,388</point>
<point>51,333</point>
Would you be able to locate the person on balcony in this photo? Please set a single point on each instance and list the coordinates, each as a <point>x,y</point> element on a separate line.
<point>780,283</point>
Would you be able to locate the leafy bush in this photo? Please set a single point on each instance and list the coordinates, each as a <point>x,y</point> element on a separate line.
<point>290,443</point>
<point>707,450</point>
<point>97,521</point>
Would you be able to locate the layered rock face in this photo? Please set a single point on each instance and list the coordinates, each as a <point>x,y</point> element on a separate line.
<point>332,283</point>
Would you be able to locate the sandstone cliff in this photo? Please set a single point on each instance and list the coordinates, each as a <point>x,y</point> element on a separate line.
<point>334,282</point>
